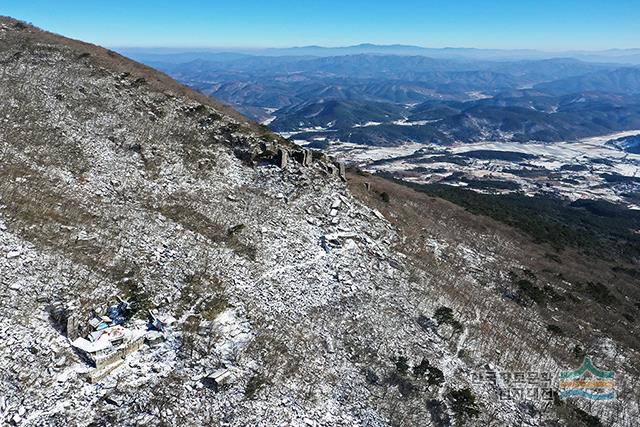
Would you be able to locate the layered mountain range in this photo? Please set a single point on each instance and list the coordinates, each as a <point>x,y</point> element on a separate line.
<point>443,99</point>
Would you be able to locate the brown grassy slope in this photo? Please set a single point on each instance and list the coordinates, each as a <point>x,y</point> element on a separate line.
<point>419,216</point>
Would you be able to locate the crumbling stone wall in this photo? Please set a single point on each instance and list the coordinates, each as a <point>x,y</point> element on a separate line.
<point>122,353</point>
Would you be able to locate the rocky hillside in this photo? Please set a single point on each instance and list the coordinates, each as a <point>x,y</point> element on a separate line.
<point>324,302</point>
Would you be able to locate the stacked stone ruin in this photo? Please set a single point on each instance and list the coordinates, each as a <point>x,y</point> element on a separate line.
<point>305,157</point>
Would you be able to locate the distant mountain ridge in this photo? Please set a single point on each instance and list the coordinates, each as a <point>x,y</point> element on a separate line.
<point>524,116</point>
<point>619,56</point>
<point>462,99</point>
<point>624,80</point>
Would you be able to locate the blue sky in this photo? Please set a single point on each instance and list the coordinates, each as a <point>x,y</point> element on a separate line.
<point>540,24</point>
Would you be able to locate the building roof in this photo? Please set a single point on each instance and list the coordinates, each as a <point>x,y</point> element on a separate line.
<point>91,347</point>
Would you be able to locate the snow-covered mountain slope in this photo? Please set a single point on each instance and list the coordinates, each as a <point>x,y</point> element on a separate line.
<point>320,309</point>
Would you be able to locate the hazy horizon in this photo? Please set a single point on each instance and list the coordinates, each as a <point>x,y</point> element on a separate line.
<point>243,24</point>
<point>222,49</point>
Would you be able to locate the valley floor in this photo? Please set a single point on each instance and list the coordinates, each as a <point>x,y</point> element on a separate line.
<point>591,168</point>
